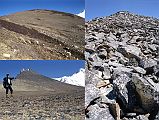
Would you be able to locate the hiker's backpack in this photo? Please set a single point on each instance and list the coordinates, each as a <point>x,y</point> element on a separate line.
<point>4,83</point>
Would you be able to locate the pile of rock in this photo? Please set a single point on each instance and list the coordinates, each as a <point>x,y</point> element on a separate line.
<point>122,71</point>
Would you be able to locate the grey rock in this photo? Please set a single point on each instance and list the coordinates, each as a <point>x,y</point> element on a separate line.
<point>134,39</point>
<point>91,78</point>
<point>155,79</point>
<point>152,47</point>
<point>93,58</point>
<point>139,70</point>
<point>142,117</point>
<point>115,64</point>
<point>101,35</point>
<point>91,93</point>
<point>157,116</point>
<point>131,114</point>
<point>90,48</point>
<point>103,95</point>
<point>147,63</point>
<point>114,44</point>
<point>97,66</point>
<point>111,35</point>
<point>119,55</point>
<point>135,117</point>
<point>106,73</point>
<point>156,42</point>
<point>156,70</point>
<point>125,90</point>
<point>130,51</point>
<point>91,38</point>
<point>146,90</point>
<point>97,113</point>
<point>103,83</point>
<point>102,53</point>
<point>98,73</point>
<point>119,70</point>
<point>133,62</point>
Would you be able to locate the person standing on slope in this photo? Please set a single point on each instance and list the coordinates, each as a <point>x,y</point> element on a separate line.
<point>7,84</point>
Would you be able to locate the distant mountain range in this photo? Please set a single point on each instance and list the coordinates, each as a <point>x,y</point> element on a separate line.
<point>75,79</point>
<point>31,81</point>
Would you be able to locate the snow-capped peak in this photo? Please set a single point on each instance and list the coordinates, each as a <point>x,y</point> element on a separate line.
<point>82,14</point>
<point>75,79</point>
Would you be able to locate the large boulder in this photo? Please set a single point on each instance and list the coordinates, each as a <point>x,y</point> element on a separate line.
<point>125,92</point>
<point>147,90</point>
<point>148,63</point>
<point>97,113</point>
<point>91,93</point>
<point>130,51</point>
<point>139,70</point>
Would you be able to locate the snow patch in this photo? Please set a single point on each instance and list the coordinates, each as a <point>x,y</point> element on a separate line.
<point>75,79</point>
<point>82,14</point>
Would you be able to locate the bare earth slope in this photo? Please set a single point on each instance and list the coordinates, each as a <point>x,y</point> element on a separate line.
<point>41,34</point>
<point>39,97</point>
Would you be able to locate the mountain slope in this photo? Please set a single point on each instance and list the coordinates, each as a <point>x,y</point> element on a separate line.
<point>31,81</point>
<point>41,34</point>
<point>75,79</point>
<point>38,97</point>
<point>122,71</point>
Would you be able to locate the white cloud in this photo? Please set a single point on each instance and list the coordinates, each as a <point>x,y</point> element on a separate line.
<point>82,14</point>
<point>75,79</point>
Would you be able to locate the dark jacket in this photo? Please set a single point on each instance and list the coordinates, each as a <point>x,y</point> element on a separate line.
<point>5,81</point>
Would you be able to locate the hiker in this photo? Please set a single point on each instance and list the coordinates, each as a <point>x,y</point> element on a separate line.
<point>7,84</point>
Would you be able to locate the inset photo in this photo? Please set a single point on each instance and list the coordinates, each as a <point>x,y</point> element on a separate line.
<point>42,30</point>
<point>43,90</point>
<point>122,56</point>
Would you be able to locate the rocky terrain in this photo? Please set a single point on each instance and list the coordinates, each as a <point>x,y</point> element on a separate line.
<point>37,97</point>
<point>122,71</point>
<point>41,34</point>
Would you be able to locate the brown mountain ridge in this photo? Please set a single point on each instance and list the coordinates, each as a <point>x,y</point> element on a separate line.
<point>41,34</point>
<point>32,81</point>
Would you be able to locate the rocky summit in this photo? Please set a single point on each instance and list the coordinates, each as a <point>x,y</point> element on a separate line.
<point>41,34</point>
<point>37,97</point>
<point>122,71</point>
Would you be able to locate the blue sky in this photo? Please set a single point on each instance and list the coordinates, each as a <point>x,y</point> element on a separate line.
<point>99,8</point>
<point>70,6</point>
<point>50,68</point>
